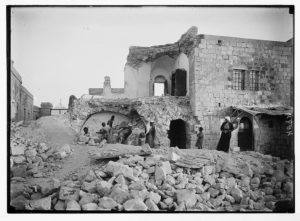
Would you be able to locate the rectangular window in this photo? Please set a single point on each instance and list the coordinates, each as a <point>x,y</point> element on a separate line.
<point>254,80</point>
<point>238,79</point>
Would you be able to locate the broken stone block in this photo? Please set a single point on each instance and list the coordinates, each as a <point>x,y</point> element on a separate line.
<point>121,180</point>
<point>90,176</point>
<point>205,196</point>
<point>19,202</point>
<point>72,205</point>
<point>216,201</point>
<point>288,187</point>
<point>19,171</point>
<point>136,186</point>
<point>89,206</point>
<point>230,199</point>
<point>186,196</point>
<point>60,155</point>
<point>139,194</point>
<point>279,175</point>
<point>151,205</point>
<point>207,170</point>
<point>88,198</point>
<point>18,159</point>
<point>255,182</point>
<point>39,204</point>
<point>115,168</point>
<point>119,195</point>
<point>268,191</point>
<point>135,205</point>
<point>107,203</point>
<point>30,153</point>
<point>50,186</point>
<point>103,188</point>
<point>213,192</point>
<point>210,180</point>
<point>68,193</point>
<point>160,175</point>
<point>155,197</point>
<point>237,194</point>
<point>168,201</point>
<point>60,205</point>
<point>166,167</point>
<point>17,150</point>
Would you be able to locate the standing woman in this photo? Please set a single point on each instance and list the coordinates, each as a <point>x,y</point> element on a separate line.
<point>224,141</point>
<point>200,137</point>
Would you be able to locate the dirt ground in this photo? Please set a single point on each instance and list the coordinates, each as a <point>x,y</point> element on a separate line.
<point>56,134</point>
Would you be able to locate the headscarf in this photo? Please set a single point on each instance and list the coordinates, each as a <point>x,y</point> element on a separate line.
<point>227,118</point>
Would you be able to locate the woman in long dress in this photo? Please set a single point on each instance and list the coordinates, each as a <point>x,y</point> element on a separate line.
<point>224,142</point>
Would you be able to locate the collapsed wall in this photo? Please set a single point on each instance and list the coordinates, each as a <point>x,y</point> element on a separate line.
<point>161,110</point>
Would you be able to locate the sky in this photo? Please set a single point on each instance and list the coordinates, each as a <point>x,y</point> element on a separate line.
<point>60,51</point>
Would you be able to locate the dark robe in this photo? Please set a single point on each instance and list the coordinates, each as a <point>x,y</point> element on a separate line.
<point>150,137</point>
<point>224,142</point>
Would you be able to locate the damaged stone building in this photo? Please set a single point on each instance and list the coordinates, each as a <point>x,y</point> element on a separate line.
<point>211,77</point>
<point>21,102</point>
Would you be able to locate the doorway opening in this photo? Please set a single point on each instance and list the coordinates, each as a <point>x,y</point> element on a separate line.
<point>245,134</point>
<point>179,83</point>
<point>177,134</point>
<point>160,86</point>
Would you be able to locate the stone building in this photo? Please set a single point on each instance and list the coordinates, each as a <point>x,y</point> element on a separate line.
<point>219,75</point>
<point>21,98</point>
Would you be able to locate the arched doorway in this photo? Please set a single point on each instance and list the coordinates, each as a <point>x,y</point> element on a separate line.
<point>177,134</point>
<point>179,83</point>
<point>245,134</point>
<point>160,86</point>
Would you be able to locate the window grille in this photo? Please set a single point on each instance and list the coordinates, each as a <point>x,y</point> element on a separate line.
<point>254,80</point>
<point>238,79</point>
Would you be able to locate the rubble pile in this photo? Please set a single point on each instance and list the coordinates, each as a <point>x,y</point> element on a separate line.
<point>30,156</point>
<point>140,111</point>
<point>246,181</point>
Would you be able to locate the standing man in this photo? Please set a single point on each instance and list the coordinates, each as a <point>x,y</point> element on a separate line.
<point>200,138</point>
<point>150,136</point>
<point>226,129</point>
<point>110,123</point>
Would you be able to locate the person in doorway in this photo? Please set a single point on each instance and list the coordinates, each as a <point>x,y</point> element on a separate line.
<point>103,132</point>
<point>86,131</point>
<point>226,129</point>
<point>124,133</point>
<point>200,138</point>
<point>110,123</point>
<point>150,136</point>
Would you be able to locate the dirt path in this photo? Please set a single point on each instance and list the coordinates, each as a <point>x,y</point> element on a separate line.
<point>58,134</point>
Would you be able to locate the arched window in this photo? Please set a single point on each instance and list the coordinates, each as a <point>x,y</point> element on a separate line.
<point>160,86</point>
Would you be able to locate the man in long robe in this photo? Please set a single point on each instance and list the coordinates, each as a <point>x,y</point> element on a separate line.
<point>224,142</point>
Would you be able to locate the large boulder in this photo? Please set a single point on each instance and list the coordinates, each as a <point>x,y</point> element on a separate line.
<point>107,203</point>
<point>72,205</point>
<point>187,197</point>
<point>39,204</point>
<point>17,150</point>
<point>68,193</point>
<point>135,205</point>
<point>49,186</point>
<point>115,168</point>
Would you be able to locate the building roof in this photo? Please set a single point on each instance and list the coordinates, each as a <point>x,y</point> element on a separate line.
<point>95,91</point>
<point>272,110</point>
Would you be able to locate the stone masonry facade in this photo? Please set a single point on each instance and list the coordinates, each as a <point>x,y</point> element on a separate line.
<point>213,64</point>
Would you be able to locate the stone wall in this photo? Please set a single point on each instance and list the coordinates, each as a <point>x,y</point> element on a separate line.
<point>160,110</point>
<point>212,64</point>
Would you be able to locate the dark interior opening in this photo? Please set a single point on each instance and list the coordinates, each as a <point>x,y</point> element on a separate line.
<point>245,135</point>
<point>179,83</point>
<point>177,134</point>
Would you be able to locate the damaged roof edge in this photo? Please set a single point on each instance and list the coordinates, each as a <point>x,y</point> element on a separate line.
<point>274,111</point>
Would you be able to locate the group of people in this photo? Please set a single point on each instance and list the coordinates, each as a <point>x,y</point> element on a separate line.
<point>109,133</point>
<point>224,142</point>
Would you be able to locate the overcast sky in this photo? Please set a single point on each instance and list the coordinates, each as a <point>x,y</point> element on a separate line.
<point>64,51</point>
